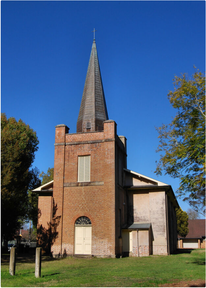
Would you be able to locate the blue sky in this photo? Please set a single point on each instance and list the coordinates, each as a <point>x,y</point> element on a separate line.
<point>141,46</point>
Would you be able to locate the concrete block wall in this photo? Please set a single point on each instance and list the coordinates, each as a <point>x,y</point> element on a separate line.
<point>158,221</point>
<point>143,237</point>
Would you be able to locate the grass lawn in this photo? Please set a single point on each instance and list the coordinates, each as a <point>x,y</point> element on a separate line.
<point>139,272</point>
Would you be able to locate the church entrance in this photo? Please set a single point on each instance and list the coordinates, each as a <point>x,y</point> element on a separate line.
<point>83,236</point>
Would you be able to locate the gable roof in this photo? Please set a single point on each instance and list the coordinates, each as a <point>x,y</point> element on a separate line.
<point>136,182</point>
<point>196,229</point>
<point>93,110</point>
<point>48,187</point>
<point>134,179</point>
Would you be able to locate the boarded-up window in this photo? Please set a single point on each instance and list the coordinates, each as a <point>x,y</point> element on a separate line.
<point>84,169</point>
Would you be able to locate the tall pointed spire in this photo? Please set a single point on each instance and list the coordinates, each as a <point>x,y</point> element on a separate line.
<point>93,110</point>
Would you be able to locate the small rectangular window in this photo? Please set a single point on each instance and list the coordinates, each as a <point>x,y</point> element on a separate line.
<point>83,168</point>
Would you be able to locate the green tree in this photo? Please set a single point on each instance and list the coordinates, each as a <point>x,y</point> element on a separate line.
<point>18,146</point>
<point>33,198</point>
<point>182,222</point>
<point>182,142</point>
<point>47,177</point>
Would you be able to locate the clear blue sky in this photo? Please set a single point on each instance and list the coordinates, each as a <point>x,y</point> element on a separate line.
<point>141,47</point>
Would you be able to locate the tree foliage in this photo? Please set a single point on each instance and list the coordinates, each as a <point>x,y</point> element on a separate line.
<point>18,146</point>
<point>33,198</point>
<point>192,214</point>
<point>47,177</point>
<point>182,142</point>
<point>29,235</point>
<point>182,222</point>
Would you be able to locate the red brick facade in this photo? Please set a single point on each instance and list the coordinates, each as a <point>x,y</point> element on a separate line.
<point>101,199</point>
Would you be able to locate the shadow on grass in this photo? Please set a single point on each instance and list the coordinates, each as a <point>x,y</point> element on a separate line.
<point>48,275</point>
<point>25,273</point>
<point>183,251</point>
<point>199,262</point>
<point>24,258</point>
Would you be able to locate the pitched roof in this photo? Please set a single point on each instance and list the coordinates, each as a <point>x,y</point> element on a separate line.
<point>140,179</point>
<point>196,228</point>
<point>135,181</point>
<point>93,110</point>
<point>45,187</point>
<point>140,226</point>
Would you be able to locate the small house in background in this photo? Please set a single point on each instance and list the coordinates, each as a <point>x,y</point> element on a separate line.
<point>196,237</point>
<point>104,209</point>
<point>25,234</point>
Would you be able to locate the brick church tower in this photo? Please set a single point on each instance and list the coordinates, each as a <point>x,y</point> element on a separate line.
<point>103,209</point>
<point>88,176</point>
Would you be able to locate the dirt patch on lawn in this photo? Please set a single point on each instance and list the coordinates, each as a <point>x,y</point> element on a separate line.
<point>189,283</point>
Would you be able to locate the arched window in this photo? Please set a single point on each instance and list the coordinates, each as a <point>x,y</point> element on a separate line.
<point>83,220</point>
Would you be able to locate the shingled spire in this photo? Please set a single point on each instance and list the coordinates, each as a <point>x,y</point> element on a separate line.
<point>93,110</point>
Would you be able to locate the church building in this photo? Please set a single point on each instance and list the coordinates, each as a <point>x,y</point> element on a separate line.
<point>104,209</point>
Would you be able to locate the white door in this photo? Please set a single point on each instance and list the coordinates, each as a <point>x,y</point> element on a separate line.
<point>127,241</point>
<point>83,240</point>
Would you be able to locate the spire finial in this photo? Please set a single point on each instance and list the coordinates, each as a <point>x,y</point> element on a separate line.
<point>94,33</point>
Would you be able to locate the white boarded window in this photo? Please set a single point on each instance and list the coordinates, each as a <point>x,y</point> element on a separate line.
<point>83,168</point>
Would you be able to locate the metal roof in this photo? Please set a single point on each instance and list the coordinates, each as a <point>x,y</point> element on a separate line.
<point>139,226</point>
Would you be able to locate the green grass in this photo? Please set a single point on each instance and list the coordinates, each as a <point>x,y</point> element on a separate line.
<point>96,272</point>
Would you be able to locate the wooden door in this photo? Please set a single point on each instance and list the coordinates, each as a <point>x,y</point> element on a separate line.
<point>83,240</point>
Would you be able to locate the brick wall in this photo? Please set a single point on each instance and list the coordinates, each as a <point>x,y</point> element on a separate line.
<point>45,207</point>
<point>94,199</point>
